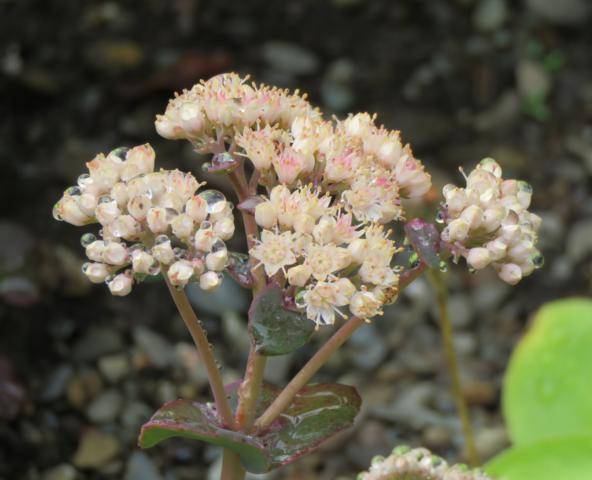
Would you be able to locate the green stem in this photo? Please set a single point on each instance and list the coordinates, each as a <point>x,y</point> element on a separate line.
<point>452,362</point>
<point>231,466</point>
<point>205,353</point>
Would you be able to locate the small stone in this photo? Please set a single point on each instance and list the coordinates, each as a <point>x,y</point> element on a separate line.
<point>478,392</point>
<point>57,383</point>
<point>228,297</point>
<point>490,15</point>
<point>437,438</point>
<point>63,471</point>
<point>366,348</point>
<point>579,241</point>
<point>115,55</point>
<point>96,449</point>
<point>83,387</point>
<point>114,367</point>
<point>140,467</point>
<point>490,441</point>
<point>155,346</point>
<point>532,78</point>
<point>290,58</point>
<point>135,414</point>
<point>234,327</point>
<point>105,408</point>
<point>97,342</point>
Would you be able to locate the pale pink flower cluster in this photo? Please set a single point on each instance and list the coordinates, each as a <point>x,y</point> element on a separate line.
<point>214,110</point>
<point>488,223</point>
<point>150,220</point>
<point>417,464</point>
<point>312,242</point>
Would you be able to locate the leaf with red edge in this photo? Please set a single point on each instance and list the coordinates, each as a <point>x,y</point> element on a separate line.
<point>317,412</point>
<point>274,329</point>
<point>425,239</point>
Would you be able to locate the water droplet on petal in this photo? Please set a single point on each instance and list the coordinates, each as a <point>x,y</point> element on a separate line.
<point>179,252</point>
<point>84,180</point>
<point>56,212</point>
<point>212,197</point>
<point>218,245</point>
<point>161,239</point>
<point>72,191</point>
<point>154,269</point>
<point>440,217</point>
<point>205,225</point>
<point>119,153</point>
<point>414,260</point>
<point>443,266</point>
<point>538,260</point>
<point>85,267</point>
<point>105,199</point>
<point>299,299</point>
<point>87,239</point>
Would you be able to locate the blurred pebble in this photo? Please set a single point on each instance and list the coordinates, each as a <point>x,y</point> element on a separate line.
<point>372,439</point>
<point>336,88</point>
<point>436,437</point>
<point>105,408</point>
<point>114,367</point>
<point>57,382</point>
<point>96,449</point>
<point>532,78</point>
<point>135,414</point>
<point>501,115</point>
<point>61,472</point>
<point>154,345</point>
<point>564,12</point>
<point>579,240</point>
<point>97,342</point>
<point>234,327</point>
<point>366,348</point>
<point>115,55</point>
<point>228,297</point>
<point>478,392</point>
<point>289,58</point>
<point>490,441</point>
<point>140,467</point>
<point>15,243</point>
<point>83,387</point>
<point>490,15</point>
<point>277,368</point>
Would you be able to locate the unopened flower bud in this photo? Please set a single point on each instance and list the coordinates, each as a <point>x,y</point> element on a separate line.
<point>265,215</point>
<point>491,166</point>
<point>96,272</point>
<point>299,275</point>
<point>121,285</point>
<point>191,118</point>
<point>303,223</point>
<point>510,233</point>
<point>142,156</point>
<point>479,258</point>
<point>115,254</point>
<point>497,249</point>
<point>203,240</point>
<point>456,199</point>
<point>492,218</point>
<point>345,287</point>
<point>180,273</point>
<point>458,230</point>
<point>107,211</point>
<point>95,250</point>
<point>217,261</point>
<point>364,305</point>
<point>87,204</point>
<point>510,273</point>
<point>142,262</point>
<point>120,194</point>
<point>163,252</point>
<point>166,128</point>
<point>210,281</point>
<point>358,249</point>
<point>157,220</point>
<point>138,206</point>
<point>473,215</point>
<point>68,210</point>
<point>224,228</point>
<point>196,208</point>
<point>182,226</point>
<point>220,210</point>
<point>278,194</point>
<point>125,226</point>
<point>323,231</point>
<point>524,194</point>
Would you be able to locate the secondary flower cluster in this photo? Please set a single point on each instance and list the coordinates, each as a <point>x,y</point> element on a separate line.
<point>149,220</point>
<point>418,464</point>
<point>213,110</point>
<point>488,223</point>
<point>331,261</point>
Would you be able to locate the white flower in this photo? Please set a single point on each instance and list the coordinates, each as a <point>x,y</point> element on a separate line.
<point>274,251</point>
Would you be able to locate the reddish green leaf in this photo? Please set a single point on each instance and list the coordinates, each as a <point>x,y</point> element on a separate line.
<point>318,412</point>
<point>274,329</point>
<point>425,239</point>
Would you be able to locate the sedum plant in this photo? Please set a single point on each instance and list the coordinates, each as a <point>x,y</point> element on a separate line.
<point>319,200</point>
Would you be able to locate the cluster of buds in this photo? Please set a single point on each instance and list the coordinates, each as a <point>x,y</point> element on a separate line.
<point>312,242</point>
<point>488,223</point>
<point>417,464</point>
<point>150,221</point>
<point>213,110</point>
<point>367,166</point>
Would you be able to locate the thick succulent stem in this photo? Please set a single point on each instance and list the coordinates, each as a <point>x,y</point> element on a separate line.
<point>205,353</point>
<point>231,466</point>
<point>452,362</point>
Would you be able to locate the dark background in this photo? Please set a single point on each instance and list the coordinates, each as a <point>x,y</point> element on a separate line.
<point>463,79</point>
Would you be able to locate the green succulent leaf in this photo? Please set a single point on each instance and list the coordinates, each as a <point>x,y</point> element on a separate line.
<point>317,412</point>
<point>274,329</point>
<point>547,391</point>
<point>568,458</point>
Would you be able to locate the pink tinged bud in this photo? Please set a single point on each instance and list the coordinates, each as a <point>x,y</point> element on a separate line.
<point>121,285</point>
<point>535,221</point>
<point>491,166</point>
<point>473,215</point>
<point>142,262</point>
<point>96,272</point>
<point>299,275</point>
<point>182,226</point>
<point>143,157</point>
<point>203,240</point>
<point>163,252</point>
<point>196,208</point>
<point>94,251</point>
<point>390,151</point>
<point>456,200</point>
<point>521,252</point>
<point>527,267</point>
<point>199,266</point>
<point>510,273</point>
<point>68,210</point>
<point>115,254</point>
<point>288,165</point>
<point>265,215</point>
<point>191,118</point>
<point>413,180</point>
<point>210,281</point>
<point>509,188</point>
<point>492,218</point>
<point>497,249</point>
<point>180,273</point>
<point>217,261</point>
<point>479,258</point>
<point>157,220</point>
<point>138,207</point>
<point>524,194</point>
<point>107,210</point>
<point>87,203</point>
<point>125,226</point>
<point>345,287</point>
<point>119,193</point>
<point>224,228</point>
<point>358,250</point>
<point>458,230</point>
<point>510,233</point>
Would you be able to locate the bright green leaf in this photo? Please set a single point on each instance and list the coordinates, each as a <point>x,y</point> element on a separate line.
<point>548,392</point>
<point>568,458</point>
